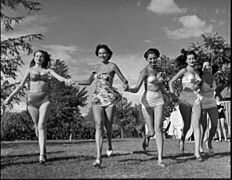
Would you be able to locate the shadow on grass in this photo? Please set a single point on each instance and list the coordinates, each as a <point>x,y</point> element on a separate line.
<point>178,158</point>
<point>146,152</point>
<point>217,155</point>
<point>50,160</point>
<point>28,155</point>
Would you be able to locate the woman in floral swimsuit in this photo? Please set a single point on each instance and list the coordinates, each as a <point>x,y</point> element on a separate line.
<point>104,97</point>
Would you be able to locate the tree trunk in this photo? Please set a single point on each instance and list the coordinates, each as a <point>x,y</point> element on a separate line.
<point>70,137</point>
<point>122,134</point>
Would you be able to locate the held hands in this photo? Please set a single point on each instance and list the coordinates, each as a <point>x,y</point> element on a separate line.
<point>160,77</point>
<point>70,82</point>
<point>125,87</point>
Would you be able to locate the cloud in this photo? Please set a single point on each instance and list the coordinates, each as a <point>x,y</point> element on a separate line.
<point>148,41</point>
<point>35,24</point>
<point>192,26</point>
<point>165,7</point>
<point>62,52</point>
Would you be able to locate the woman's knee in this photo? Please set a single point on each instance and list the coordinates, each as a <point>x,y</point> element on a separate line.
<point>41,126</point>
<point>99,126</point>
<point>158,129</point>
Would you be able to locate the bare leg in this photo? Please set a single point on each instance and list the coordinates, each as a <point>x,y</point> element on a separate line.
<point>185,111</point>
<point>109,114</point>
<point>149,118</point>
<point>222,122</point>
<point>213,114</point>
<point>44,112</point>
<point>158,113</point>
<point>219,131</point>
<point>203,126</point>
<point>98,114</point>
<point>195,119</point>
<point>34,112</point>
<point>148,114</point>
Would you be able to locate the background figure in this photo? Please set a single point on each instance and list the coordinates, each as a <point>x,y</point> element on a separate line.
<point>209,106</point>
<point>152,100</point>
<point>104,97</point>
<point>177,124</point>
<point>221,120</point>
<point>189,100</point>
<point>38,103</point>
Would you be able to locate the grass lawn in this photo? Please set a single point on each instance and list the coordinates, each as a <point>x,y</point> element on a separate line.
<point>19,160</point>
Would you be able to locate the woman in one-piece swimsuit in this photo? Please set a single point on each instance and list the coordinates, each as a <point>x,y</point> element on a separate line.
<point>104,98</point>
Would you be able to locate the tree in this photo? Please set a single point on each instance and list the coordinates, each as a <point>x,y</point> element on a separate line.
<point>17,126</point>
<point>216,50</point>
<point>212,48</point>
<point>11,48</point>
<point>65,119</point>
<point>125,117</point>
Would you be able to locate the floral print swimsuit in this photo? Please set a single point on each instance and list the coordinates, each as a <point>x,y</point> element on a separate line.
<point>104,94</point>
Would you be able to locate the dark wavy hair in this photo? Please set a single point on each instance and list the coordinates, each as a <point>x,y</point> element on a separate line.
<point>190,52</point>
<point>103,46</point>
<point>151,51</point>
<point>47,59</point>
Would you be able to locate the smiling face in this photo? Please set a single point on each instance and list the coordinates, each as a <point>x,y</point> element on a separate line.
<point>191,60</point>
<point>39,58</point>
<point>152,60</point>
<point>103,54</point>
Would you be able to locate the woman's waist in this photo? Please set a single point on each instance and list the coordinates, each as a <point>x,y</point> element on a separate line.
<point>190,86</point>
<point>37,92</point>
<point>104,86</point>
<point>152,87</point>
<point>154,94</point>
<point>207,93</point>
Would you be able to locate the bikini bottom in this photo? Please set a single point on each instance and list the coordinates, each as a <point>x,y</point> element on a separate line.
<point>37,99</point>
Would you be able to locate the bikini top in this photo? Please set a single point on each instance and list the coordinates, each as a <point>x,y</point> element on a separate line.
<point>35,76</point>
<point>151,83</point>
<point>152,79</point>
<point>190,78</point>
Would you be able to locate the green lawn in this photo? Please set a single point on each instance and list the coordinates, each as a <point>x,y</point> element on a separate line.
<point>74,160</point>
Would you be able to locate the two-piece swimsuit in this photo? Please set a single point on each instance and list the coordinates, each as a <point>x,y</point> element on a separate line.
<point>189,95</point>
<point>151,96</point>
<point>36,99</point>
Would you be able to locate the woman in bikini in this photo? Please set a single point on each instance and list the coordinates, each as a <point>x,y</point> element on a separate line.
<point>104,97</point>
<point>189,100</point>
<point>38,103</point>
<point>152,99</point>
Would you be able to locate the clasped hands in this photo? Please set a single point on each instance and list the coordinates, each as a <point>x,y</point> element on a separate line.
<point>125,86</point>
<point>70,82</point>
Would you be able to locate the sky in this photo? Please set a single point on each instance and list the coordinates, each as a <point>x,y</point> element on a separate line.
<point>73,28</point>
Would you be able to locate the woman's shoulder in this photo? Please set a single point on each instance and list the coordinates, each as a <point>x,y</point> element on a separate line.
<point>30,70</point>
<point>145,70</point>
<point>113,65</point>
<point>183,71</point>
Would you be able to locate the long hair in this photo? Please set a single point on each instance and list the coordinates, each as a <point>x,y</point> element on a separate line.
<point>46,62</point>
